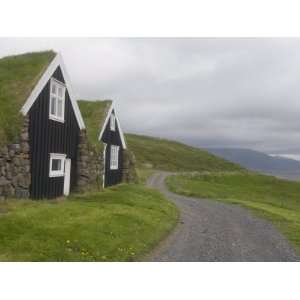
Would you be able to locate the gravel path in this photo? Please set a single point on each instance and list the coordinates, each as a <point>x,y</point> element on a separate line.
<point>213,231</point>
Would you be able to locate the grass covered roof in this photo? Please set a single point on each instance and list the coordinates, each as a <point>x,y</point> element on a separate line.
<point>18,76</point>
<point>94,114</point>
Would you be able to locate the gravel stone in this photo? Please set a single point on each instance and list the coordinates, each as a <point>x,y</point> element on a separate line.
<point>209,230</point>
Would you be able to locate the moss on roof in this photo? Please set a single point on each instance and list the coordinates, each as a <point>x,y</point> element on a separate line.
<point>18,76</point>
<point>94,114</point>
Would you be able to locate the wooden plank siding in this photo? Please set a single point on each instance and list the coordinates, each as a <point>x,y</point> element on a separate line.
<point>47,136</point>
<point>110,137</point>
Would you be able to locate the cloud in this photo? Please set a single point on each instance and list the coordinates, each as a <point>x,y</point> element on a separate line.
<point>206,92</point>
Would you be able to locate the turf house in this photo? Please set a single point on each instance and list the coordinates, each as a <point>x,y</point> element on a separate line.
<point>105,134</point>
<point>46,151</point>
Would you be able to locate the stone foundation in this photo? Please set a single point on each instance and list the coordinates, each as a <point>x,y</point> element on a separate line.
<point>15,176</point>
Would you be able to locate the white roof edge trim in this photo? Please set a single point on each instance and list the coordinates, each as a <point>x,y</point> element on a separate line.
<point>71,94</point>
<point>57,61</point>
<point>121,131</point>
<point>105,122</point>
<point>112,107</point>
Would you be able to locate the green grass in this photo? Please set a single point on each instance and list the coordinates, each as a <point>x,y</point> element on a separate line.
<point>94,114</point>
<point>144,175</point>
<point>120,224</point>
<point>274,199</point>
<point>18,76</point>
<point>160,154</point>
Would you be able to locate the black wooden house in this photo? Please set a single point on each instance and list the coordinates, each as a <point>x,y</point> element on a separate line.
<point>54,125</point>
<point>40,125</point>
<point>105,132</point>
<point>114,144</point>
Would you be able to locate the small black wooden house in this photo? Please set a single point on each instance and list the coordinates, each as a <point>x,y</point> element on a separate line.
<point>40,123</point>
<point>54,125</point>
<point>105,133</point>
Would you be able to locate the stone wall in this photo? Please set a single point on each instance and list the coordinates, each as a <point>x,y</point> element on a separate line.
<point>129,171</point>
<point>15,176</point>
<point>89,165</point>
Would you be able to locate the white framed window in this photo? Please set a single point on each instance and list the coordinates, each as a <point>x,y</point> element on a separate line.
<point>57,101</point>
<point>114,157</point>
<point>112,122</point>
<point>57,165</point>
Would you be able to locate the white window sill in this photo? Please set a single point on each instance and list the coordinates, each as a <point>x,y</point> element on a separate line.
<point>57,175</point>
<point>114,168</point>
<point>54,118</point>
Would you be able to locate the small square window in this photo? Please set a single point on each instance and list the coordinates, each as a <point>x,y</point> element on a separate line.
<point>57,165</point>
<point>57,101</point>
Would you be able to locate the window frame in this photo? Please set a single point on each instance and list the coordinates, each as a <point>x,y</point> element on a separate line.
<point>62,158</point>
<point>114,157</point>
<point>57,84</point>
<point>112,122</point>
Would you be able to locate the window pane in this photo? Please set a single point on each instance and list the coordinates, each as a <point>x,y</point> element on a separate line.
<point>56,165</point>
<point>59,108</point>
<point>53,104</point>
<point>60,92</point>
<point>53,88</point>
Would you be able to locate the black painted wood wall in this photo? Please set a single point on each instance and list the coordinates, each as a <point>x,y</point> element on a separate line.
<point>110,137</point>
<point>47,136</point>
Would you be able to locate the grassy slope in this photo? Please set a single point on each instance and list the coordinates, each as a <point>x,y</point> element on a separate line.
<point>161,154</point>
<point>18,76</point>
<point>275,199</point>
<point>94,114</point>
<point>119,224</point>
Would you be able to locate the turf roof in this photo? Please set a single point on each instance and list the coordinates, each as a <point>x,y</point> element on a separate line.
<point>94,114</point>
<point>18,76</point>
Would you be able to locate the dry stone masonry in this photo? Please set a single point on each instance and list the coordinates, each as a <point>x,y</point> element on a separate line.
<point>129,171</point>
<point>89,165</point>
<point>15,166</point>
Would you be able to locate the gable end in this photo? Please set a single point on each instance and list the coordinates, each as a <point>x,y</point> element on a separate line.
<point>57,62</point>
<point>112,109</point>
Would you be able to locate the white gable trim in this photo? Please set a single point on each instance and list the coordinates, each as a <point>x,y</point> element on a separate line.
<point>119,126</point>
<point>57,61</point>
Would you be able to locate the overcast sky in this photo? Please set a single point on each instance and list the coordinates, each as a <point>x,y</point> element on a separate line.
<point>205,92</point>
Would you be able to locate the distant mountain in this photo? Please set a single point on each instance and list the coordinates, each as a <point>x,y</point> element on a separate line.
<point>259,161</point>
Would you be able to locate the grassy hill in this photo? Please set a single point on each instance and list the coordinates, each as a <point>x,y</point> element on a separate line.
<point>166,155</point>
